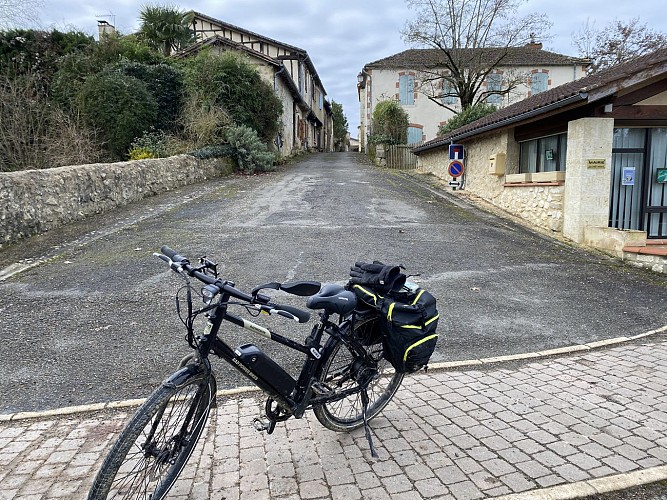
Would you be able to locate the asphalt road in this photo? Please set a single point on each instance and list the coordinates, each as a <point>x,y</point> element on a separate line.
<point>94,319</point>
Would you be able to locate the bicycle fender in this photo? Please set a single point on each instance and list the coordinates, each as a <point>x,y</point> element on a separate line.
<point>184,374</point>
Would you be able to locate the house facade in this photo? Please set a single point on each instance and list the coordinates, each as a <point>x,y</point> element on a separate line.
<point>307,120</point>
<point>529,70</point>
<point>586,160</point>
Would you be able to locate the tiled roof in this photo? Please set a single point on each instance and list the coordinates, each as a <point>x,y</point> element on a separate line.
<point>511,56</point>
<point>583,91</point>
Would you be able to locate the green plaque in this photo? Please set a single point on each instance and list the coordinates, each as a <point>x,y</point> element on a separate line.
<point>661,175</point>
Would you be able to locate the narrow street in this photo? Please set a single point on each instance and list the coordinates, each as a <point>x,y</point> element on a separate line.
<point>95,320</point>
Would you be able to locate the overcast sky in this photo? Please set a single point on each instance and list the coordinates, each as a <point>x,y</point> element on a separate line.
<point>342,36</point>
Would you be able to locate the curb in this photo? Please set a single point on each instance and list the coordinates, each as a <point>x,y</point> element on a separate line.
<point>449,365</point>
<point>584,489</point>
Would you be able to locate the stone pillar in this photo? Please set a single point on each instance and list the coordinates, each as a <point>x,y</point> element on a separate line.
<point>587,185</point>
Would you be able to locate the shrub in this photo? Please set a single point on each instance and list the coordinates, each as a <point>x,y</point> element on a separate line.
<point>228,81</point>
<point>119,106</point>
<point>390,123</point>
<point>203,123</point>
<point>152,144</point>
<point>74,67</point>
<point>38,52</point>
<point>466,116</point>
<point>165,83</point>
<point>247,150</point>
<point>35,133</point>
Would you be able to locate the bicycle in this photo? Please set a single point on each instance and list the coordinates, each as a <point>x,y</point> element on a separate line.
<point>344,380</point>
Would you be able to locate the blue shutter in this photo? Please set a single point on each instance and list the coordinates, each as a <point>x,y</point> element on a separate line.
<point>406,89</point>
<point>494,81</point>
<point>414,135</point>
<point>448,88</point>
<point>538,83</point>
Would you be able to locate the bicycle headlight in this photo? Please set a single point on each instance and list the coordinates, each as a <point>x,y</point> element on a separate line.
<point>208,293</point>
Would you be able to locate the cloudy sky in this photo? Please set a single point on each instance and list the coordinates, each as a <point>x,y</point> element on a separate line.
<point>342,36</point>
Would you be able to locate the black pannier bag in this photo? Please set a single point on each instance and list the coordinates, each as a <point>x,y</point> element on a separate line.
<point>409,319</point>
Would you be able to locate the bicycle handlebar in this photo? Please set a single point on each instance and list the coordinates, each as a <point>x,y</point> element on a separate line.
<point>180,263</point>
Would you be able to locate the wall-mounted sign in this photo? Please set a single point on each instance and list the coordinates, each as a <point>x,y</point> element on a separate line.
<point>597,163</point>
<point>628,176</point>
<point>661,175</point>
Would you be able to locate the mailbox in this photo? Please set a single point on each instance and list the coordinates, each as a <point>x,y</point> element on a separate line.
<point>497,164</point>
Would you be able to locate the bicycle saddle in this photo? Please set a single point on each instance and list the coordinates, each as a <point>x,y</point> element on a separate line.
<point>334,299</point>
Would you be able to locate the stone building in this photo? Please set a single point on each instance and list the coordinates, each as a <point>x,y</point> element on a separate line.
<point>587,160</point>
<point>307,120</point>
<point>521,72</point>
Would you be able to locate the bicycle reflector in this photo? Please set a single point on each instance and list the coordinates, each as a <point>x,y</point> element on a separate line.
<point>208,293</point>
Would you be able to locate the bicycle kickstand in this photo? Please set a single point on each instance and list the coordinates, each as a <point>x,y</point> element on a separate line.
<point>364,402</point>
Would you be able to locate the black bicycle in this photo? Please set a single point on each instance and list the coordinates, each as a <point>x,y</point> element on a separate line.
<point>345,379</point>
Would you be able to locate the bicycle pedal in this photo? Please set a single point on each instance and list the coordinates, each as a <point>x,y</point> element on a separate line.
<point>262,425</point>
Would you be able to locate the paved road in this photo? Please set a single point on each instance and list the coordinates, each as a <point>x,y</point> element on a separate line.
<point>95,321</point>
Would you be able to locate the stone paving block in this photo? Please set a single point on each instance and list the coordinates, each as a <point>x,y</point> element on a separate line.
<point>452,474</point>
<point>396,483</point>
<point>465,490</point>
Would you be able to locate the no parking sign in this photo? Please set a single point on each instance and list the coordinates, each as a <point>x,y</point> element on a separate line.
<point>455,169</point>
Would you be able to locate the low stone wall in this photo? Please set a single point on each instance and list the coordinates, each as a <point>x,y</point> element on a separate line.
<point>35,201</point>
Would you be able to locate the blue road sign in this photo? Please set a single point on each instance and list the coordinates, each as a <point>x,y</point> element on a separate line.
<point>455,169</point>
<point>456,151</point>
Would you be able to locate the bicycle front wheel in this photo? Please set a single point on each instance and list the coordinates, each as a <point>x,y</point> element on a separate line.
<point>154,447</point>
<point>343,371</point>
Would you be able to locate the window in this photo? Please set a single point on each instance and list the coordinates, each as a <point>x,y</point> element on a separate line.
<point>538,83</point>
<point>448,93</point>
<point>414,135</point>
<point>547,154</point>
<point>494,81</point>
<point>406,89</point>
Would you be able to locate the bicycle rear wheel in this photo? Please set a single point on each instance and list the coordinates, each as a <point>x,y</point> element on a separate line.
<point>152,450</point>
<point>342,371</point>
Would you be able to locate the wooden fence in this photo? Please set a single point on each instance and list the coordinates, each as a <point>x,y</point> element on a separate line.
<point>400,157</point>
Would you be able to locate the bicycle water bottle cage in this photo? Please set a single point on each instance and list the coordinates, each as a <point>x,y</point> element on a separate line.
<point>334,299</point>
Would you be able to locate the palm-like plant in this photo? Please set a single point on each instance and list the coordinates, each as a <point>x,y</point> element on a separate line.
<point>166,28</point>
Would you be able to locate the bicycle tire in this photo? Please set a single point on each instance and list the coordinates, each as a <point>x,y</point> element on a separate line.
<point>129,471</point>
<point>335,373</point>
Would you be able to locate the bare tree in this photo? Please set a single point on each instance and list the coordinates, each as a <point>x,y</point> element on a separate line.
<point>471,38</point>
<point>19,13</point>
<point>617,42</point>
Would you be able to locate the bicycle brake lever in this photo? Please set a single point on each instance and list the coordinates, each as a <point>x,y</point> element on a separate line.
<point>175,266</point>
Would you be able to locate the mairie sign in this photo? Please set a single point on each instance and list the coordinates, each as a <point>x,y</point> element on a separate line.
<point>456,152</point>
<point>455,169</point>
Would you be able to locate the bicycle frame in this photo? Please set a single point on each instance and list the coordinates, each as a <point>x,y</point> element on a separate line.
<point>301,398</point>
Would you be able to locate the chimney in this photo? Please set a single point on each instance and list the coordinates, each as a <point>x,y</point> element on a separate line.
<point>533,44</point>
<point>104,29</point>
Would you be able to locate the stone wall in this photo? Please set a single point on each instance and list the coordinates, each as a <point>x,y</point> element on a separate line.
<point>539,203</point>
<point>34,201</point>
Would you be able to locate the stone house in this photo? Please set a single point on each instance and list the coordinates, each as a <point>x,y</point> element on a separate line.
<point>524,70</point>
<point>586,160</point>
<point>307,120</point>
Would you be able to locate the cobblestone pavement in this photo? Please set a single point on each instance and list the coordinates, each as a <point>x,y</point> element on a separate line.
<point>555,427</point>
